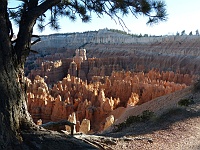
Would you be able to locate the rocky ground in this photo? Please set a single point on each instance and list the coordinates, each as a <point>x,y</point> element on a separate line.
<point>177,129</point>
<point>50,140</point>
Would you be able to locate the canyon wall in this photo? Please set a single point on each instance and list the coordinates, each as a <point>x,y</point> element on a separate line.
<point>108,51</point>
<point>104,36</point>
<point>91,78</point>
<point>104,43</point>
<point>105,66</point>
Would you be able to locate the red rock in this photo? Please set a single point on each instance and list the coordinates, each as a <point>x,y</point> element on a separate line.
<point>101,97</point>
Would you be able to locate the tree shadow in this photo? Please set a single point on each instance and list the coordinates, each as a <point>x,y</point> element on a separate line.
<point>159,123</point>
<point>51,140</point>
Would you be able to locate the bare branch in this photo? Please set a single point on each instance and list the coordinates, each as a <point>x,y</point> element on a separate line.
<point>33,51</point>
<point>36,41</point>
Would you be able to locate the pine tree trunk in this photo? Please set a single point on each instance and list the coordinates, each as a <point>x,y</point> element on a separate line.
<point>13,109</point>
<point>17,130</point>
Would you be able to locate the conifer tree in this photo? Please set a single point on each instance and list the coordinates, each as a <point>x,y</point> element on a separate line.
<point>14,116</point>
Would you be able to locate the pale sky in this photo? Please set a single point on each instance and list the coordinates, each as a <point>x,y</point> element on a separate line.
<point>182,15</point>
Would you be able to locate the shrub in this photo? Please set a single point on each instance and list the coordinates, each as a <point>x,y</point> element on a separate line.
<point>146,115</point>
<point>185,102</point>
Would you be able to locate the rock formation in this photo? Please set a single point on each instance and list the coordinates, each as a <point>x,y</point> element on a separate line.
<point>119,71</point>
<point>109,121</point>
<point>76,100</point>
<point>72,119</point>
<point>85,126</point>
<point>109,51</point>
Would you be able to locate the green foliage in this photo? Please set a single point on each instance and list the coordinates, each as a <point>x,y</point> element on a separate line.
<point>119,31</point>
<point>146,115</point>
<point>73,9</point>
<point>124,32</point>
<point>183,33</point>
<point>185,102</point>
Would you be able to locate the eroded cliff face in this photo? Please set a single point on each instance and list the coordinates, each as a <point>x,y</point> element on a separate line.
<point>102,97</point>
<point>109,51</point>
<point>105,66</point>
<point>119,71</point>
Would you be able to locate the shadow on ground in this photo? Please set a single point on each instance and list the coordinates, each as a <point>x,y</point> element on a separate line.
<point>162,123</point>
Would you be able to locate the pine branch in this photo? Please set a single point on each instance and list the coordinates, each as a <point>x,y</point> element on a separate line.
<point>37,40</point>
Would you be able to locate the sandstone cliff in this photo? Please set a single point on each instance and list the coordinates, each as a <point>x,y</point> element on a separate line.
<point>102,97</point>
<point>109,51</point>
<point>118,73</point>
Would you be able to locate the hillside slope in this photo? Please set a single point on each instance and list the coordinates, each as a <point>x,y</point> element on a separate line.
<point>168,53</point>
<point>176,128</point>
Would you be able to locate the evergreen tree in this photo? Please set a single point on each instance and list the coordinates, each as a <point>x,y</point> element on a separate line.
<point>14,116</point>
<point>183,33</point>
<point>197,32</point>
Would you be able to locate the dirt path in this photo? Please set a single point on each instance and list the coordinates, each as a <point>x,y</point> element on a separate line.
<point>180,135</point>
